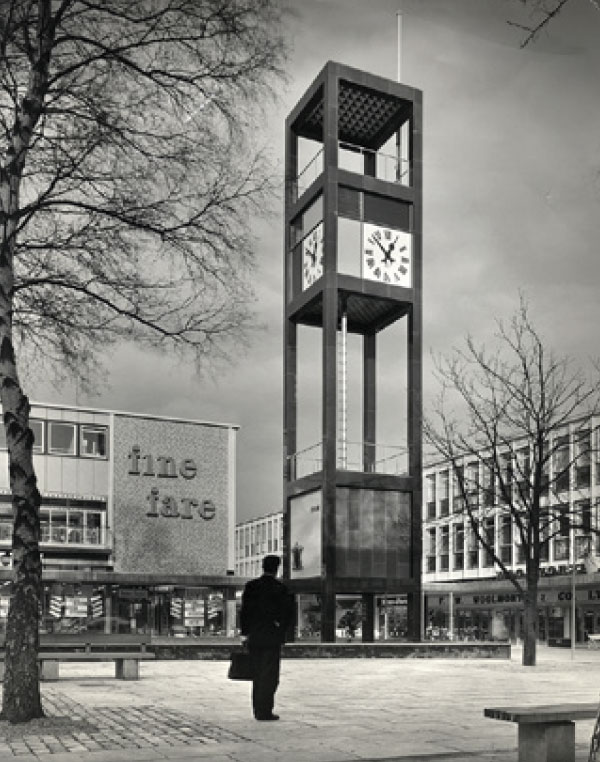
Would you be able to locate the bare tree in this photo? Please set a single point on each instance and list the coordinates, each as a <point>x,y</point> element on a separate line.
<point>129,173</point>
<point>543,13</point>
<point>520,429</point>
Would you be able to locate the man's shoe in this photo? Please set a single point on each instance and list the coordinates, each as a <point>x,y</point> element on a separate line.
<point>267,717</point>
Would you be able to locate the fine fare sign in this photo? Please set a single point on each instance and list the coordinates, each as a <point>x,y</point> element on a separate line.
<point>167,468</point>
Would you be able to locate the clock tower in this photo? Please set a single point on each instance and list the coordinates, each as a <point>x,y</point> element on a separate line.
<point>353,347</point>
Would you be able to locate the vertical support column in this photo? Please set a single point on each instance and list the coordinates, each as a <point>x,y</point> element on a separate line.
<point>290,342</point>
<point>369,403</point>
<point>107,609</point>
<point>330,328</point>
<point>368,623</point>
<point>229,611</point>
<point>415,369</point>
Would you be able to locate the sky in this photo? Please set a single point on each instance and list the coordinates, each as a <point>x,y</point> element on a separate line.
<point>511,202</point>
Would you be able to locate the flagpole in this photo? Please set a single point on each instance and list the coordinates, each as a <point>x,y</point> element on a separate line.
<point>399,35</point>
<point>399,77</point>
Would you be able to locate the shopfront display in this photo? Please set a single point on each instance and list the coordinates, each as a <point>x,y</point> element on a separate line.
<point>495,612</point>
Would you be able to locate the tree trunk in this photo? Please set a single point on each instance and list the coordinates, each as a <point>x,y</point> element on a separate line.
<point>21,697</point>
<point>530,624</point>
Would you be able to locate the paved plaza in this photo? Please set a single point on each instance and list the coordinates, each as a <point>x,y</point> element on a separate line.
<point>332,710</point>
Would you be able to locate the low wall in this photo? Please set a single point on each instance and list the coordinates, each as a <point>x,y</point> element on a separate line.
<point>171,648</point>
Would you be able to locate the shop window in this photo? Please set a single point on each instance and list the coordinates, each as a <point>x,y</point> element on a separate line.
<point>92,442</point>
<point>61,438</point>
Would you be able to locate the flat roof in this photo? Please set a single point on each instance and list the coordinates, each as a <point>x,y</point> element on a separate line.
<point>123,413</point>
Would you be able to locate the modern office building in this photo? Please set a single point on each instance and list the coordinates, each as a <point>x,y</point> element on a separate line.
<point>256,538</point>
<point>137,521</point>
<point>466,595</point>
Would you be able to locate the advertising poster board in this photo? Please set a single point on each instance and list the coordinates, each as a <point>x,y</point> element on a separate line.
<point>305,535</point>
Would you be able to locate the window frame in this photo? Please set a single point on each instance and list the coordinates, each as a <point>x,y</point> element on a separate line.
<point>95,428</point>
<point>50,450</point>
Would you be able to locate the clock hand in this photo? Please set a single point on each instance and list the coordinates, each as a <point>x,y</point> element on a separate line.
<point>391,248</point>
<point>378,242</point>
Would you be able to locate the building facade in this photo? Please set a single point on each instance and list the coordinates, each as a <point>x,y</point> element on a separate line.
<point>466,595</point>
<point>137,521</point>
<point>256,538</point>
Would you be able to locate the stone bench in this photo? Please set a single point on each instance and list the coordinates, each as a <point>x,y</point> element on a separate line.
<point>546,733</point>
<point>125,651</point>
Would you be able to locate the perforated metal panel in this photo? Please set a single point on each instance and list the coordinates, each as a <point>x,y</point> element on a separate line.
<point>366,118</point>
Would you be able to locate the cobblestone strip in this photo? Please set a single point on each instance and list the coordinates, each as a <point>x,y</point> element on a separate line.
<point>70,726</point>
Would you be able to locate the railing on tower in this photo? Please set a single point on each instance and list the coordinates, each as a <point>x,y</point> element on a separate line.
<point>353,158</point>
<point>365,457</point>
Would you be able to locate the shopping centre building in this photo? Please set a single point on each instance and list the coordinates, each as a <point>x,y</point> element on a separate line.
<point>466,594</point>
<point>137,521</point>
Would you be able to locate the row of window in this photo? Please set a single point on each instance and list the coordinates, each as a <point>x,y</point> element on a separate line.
<point>498,533</point>
<point>259,538</point>
<point>491,492</point>
<point>82,440</point>
<point>64,526</point>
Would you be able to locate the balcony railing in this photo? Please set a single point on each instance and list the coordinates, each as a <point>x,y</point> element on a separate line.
<point>364,457</point>
<point>353,158</point>
<point>382,166</point>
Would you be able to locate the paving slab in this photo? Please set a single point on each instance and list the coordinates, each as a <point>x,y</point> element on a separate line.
<point>332,710</point>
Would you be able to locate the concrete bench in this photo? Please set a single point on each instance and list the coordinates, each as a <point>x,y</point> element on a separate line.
<point>593,640</point>
<point>126,652</point>
<point>546,733</point>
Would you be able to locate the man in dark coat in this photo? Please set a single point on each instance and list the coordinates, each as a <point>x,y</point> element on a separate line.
<point>266,614</point>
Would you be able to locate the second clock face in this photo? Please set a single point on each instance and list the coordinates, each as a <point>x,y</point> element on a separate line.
<point>387,255</point>
<point>312,256</point>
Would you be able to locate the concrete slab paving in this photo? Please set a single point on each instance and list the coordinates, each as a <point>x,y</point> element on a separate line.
<point>332,710</point>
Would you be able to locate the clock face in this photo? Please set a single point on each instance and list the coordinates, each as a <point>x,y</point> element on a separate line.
<point>312,256</point>
<point>387,255</point>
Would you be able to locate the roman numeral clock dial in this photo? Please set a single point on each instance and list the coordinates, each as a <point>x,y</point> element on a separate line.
<point>312,256</point>
<point>387,255</point>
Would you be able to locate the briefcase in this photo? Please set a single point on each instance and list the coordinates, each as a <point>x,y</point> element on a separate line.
<point>240,667</point>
